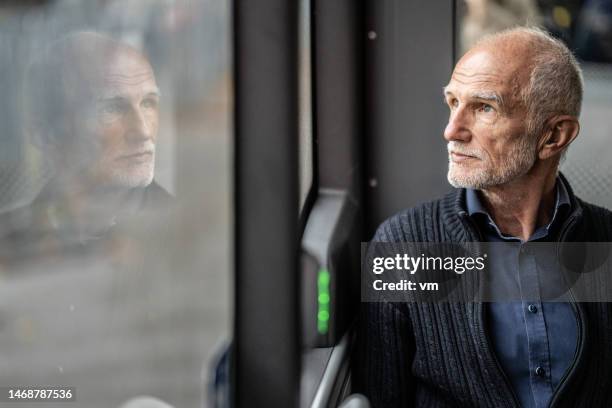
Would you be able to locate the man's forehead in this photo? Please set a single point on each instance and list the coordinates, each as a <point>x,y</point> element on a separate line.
<point>486,70</point>
<point>109,93</point>
<point>119,73</point>
<point>117,78</point>
<point>480,66</point>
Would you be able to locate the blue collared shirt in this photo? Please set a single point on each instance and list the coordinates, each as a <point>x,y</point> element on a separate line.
<point>534,341</point>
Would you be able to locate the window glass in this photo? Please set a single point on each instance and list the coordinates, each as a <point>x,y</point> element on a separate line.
<point>586,28</point>
<point>115,204</point>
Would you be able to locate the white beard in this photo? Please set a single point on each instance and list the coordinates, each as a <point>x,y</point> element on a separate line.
<point>516,163</point>
<point>141,175</point>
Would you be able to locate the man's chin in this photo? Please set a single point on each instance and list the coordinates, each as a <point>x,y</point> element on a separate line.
<point>458,183</point>
<point>466,180</point>
<point>131,180</point>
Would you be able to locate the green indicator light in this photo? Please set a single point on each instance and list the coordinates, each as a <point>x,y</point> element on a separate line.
<point>323,278</point>
<point>323,298</point>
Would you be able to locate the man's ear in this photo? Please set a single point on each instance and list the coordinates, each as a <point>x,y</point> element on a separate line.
<point>560,132</point>
<point>40,136</point>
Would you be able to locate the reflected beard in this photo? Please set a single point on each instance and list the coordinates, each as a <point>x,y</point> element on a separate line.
<point>515,164</point>
<point>134,176</point>
<point>124,174</point>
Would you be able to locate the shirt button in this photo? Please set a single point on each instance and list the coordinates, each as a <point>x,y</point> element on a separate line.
<point>532,309</point>
<point>539,371</point>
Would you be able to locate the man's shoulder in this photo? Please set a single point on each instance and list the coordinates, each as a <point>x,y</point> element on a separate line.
<point>594,209</point>
<point>596,214</point>
<point>416,223</point>
<point>23,219</point>
<point>156,197</point>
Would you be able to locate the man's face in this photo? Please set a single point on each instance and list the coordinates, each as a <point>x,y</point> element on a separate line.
<point>487,136</point>
<point>114,120</point>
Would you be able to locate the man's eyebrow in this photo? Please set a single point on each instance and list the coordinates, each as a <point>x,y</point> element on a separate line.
<point>488,96</point>
<point>112,98</point>
<point>447,92</point>
<point>491,96</point>
<point>119,97</point>
<point>156,93</point>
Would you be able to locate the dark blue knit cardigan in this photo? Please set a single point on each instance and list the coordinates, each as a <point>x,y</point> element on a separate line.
<point>439,355</point>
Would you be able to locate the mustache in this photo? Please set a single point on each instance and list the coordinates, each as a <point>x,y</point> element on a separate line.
<point>145,148</point>
<point>458,148</point>
<point>137,151</point>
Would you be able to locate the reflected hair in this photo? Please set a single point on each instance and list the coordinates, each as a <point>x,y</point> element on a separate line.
<point>43,94</point>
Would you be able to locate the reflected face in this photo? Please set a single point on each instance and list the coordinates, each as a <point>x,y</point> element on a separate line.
<point>114,120</point>
<point>488,144</point>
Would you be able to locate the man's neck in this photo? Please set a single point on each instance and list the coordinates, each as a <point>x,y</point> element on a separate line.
<point>521,206</point>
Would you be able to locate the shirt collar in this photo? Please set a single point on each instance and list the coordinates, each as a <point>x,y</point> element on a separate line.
<point>562,204</point>
<point>473,203</point>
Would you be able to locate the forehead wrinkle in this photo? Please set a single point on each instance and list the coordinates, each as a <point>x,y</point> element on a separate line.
<point>110,96</point>
<point>122,84</point>
<point>129,78</point>
<point>480,94</point>
<point>119,93</point>
<point>478,82</point>
<point>462,77</point>
<point>109,80</point>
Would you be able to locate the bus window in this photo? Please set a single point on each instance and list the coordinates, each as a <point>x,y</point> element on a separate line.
<point>115,204</point>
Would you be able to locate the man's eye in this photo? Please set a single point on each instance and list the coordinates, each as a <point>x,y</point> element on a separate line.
<point>112,109</point>
<point>486,108</point>
<point>149,103</point>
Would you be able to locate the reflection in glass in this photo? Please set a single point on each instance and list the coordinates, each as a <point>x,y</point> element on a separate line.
<point>114,217</point>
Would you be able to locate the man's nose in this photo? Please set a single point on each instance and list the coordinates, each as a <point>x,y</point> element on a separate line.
<point>458,126</point>
<point>140,125</point>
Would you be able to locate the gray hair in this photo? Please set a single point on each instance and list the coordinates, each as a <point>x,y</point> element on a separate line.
<point>555,84</point>
<point>43,94</point>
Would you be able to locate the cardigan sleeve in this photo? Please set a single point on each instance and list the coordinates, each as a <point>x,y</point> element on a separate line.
<point>385,346</point>
<point>383,354</point>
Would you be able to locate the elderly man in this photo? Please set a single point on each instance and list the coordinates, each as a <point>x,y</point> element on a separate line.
<point>514,102</point>
<point>92,108</point>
